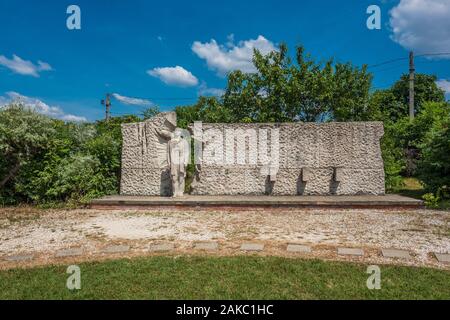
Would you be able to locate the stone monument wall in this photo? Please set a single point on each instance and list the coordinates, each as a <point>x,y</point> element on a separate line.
<point>258,159</point>
<point>313,159</point>
<point>145,169</point>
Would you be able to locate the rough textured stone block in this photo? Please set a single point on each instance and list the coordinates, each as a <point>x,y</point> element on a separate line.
<point>395,253</point>
<point>69,252</point>
<point>443,257</point>
<point>116,249</point>
<point>299,248</point>
<point>144,156</point>
<point>206,246</point>
<point>238,159</point>
<point>351,251</point>
<point>252,247</point>
<point>306,175</point>
<point>161,247</point>
<point>338,175</point>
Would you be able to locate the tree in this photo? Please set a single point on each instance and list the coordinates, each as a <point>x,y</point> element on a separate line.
<point>385,106</point>
<point>150,112</point>
<point>207,109</point>
<point>434,165</point>
<point>24,137</point>
<point>307,90</point>
<point>425,90</point>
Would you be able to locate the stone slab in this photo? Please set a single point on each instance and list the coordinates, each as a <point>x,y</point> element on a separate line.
<point>116,249</point>
<point>443,257</point>
<point>360,201</point>
<point>21,257</point>
<point>69,252</point>
<point>351,251</point>
<point>161,247</point>
<point>230,154</point>
<point>395,253</point>
<point>210,246</point>
<point>252,247</point>
<point>298,248</point>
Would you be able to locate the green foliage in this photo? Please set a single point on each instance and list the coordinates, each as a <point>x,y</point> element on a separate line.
<point>431,201</point>
<point>58,161</point>
<point>282,91</point>
<point>425,90</point>
<point>207,109</point>
<point>404,139</point>
<point>24,138</point>
<point>393,159</point>
<point>392,104</point>
<point>150,112</point>
<point>434,165</point>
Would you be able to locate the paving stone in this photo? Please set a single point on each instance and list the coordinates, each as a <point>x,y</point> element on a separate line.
<point>69,252</point>
<point>292,247</point>
<point>206,246</point>
<point>443,257</point>
<point>351,251</point>
<point>395,253</point>
<point>252,247</point>
<point>116,249</point>
<point>17,258</point>
<point>162,247</point>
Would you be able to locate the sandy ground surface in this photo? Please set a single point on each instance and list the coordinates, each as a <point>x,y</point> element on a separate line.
<point>43,232</point>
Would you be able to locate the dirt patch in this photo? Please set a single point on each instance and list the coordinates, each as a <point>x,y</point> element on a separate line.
<point>43,232</point>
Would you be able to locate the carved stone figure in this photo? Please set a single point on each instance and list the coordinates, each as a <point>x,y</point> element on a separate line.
<point>178,156</point>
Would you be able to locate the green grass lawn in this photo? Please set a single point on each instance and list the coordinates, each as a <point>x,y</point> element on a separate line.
<point>224,278</point>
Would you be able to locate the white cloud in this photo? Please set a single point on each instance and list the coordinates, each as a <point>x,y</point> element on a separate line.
<point>39,106</point>
<point>24,67</point>
<point>132,101</point>
<point>203,90</point>
<point>444,85</point>
<point>177,76</point>
<point>229,57</point>
<point>422,26</point>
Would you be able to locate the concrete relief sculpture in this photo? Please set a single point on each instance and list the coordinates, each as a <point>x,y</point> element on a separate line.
<point>253,159</point>
<point>178,159</point>
<point>145,170</point>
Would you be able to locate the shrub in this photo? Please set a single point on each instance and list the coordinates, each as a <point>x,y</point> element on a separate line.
<point>434,166</point>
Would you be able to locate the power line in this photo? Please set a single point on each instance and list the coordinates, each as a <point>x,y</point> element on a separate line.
<point>434,54</point>
<point>386,62</point>
<point>407,58</point>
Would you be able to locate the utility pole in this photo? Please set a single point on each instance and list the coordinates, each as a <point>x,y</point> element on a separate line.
<point>412,71</point>
<point>107,104</point>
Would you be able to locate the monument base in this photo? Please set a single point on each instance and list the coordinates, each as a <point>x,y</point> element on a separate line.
<point>251,202</point>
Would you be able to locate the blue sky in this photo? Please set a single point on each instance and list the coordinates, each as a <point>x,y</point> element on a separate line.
<point>168,52</point>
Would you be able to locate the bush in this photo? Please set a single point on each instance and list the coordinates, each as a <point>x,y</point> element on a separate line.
<point>394,162</point>
<point>434,166</point>
<point>431,200</point>
<point>57,161</point>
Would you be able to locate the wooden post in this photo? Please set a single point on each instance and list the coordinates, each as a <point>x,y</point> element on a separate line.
<point>411,85</point>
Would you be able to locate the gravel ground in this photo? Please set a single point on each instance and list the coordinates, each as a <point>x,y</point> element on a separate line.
<point>43,232</point>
